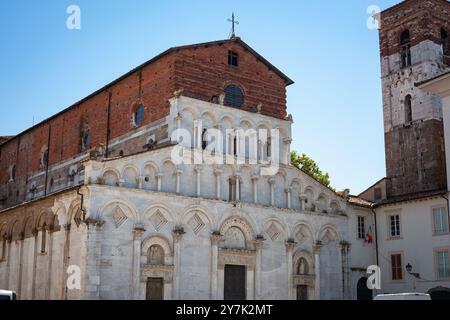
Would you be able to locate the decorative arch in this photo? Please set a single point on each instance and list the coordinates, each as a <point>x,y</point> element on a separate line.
<point>159,215</point>
<point>322,203</point>
<point>328,234</point>
<point>303,233</point>
<point>231,228</point>
<point>111,177</point>
<point>197,218</point>
<point>118,211</point>
<point>159,241</point>
<point>275,229</point>
<point>208,119</point>
<point>130,174</point>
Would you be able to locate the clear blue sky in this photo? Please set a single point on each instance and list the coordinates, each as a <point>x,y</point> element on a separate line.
<point>324,46</point>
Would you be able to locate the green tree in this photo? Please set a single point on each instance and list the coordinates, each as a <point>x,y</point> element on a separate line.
<point>308,165</point>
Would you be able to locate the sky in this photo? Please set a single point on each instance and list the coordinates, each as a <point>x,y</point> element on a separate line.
<point>325,46</point>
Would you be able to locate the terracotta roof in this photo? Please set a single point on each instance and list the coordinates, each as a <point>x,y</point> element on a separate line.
<point>357,201</point>
<point>412,197</point>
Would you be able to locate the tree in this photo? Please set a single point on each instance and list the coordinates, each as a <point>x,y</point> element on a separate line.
<point>308,165</point>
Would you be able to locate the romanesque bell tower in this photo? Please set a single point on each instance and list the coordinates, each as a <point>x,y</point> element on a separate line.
<point>414,47</point>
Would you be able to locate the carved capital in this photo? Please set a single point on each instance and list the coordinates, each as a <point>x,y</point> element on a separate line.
<point>94,222</point>
<point>317,246</point>
<point>138,232</point>
<point>178,233</point>
<point>290,244</point>
<point>216,238</point>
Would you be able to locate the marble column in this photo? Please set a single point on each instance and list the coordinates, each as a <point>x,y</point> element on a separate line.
<point>140,181</point>
<point>178,180</point>
<point>238,187</point>
<point>177,235</point>
<point>288,196</point>
<point>255,188</point>
<point>303,198</point>
<point>345,250</point>
<point>272,191</point>
<point>215,239</point>
<point>317,248</point>
<point>290,284</point>
<point>158,181</point>
<point>136,263</point>
<point>198,171</point>
<point>218,174</point>
<point>258,246</point>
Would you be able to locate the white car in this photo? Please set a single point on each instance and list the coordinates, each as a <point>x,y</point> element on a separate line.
<point>8,295</point>
<point>403,296</point>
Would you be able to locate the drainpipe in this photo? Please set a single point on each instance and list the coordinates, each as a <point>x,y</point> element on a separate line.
<point>448,212</point>
<point>376,236</point>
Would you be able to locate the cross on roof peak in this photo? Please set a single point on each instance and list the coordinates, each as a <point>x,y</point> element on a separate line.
<point>234,22</point>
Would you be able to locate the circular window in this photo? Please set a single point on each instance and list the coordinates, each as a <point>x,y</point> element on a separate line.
<point>234,96</point>
<point>139,115</point>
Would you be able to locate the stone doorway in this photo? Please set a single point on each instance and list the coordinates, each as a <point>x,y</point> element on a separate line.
<point>235,282</point>
<point>302,292</point>
<point>155,289</point>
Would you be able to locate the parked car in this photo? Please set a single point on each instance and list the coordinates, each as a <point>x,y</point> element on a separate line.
<point>403,296</point>
<point>8,295</point>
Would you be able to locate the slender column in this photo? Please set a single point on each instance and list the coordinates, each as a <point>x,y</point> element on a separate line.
<point>317,248</point>
<point>198,170</point>
<point>19,286</point>
<point>287,151</point>
<point>66,257</point>
<point>303,198</point>
<point>50,264</point>
<point>177,236</point>
<point>215,238</point>
<point>178,183</point>
<point>218,174</point>
<point>158,181</point>
<point>136,263</point>
<point>345,249</point>
<point>272,192</point>
<point>288,194</point>
<point>255,188</point>
<point>140,181</point>
<point>238,185</point>
<point>290,283</point>
<point>258,246</point>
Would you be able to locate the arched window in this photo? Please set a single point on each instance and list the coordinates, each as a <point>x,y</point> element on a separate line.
<point>408,109</point>
<point>405,43</point>
<point>302,267</point>
<point>138,115</point>
<point>155,255</point>
<point>85,139</point>
<point>445,42</point>
<point>234,96</point>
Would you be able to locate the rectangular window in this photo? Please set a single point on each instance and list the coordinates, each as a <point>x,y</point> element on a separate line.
<point>396,267</point>
<point>442,264</point>
<point>233,58</point>
<point>361,228</point>
<point>395,226</point>
<point>440,220</point>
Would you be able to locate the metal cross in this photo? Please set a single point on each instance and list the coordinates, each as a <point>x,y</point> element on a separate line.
<point>233,23</point>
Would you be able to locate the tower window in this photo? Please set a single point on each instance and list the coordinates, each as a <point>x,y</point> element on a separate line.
<point>408,109</point>
<point>234,96</point>
<point>233,58</point>
<point>138,116</point>
<point>405,43</point>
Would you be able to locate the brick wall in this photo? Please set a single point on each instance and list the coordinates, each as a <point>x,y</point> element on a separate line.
<point>424,19</point>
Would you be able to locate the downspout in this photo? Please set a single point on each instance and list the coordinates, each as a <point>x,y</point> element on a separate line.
<point>448,212</point>
<point>108,125</point>
<point>81,202</point>
<point>376,236</point>
<point>48,158</point>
